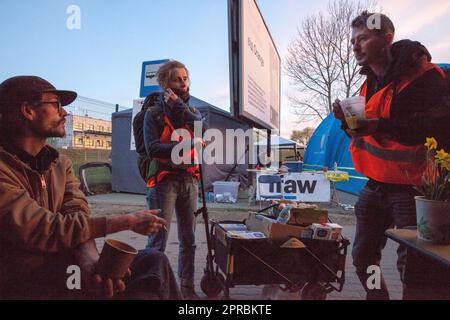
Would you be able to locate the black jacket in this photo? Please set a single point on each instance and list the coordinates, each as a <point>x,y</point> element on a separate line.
<point>179,115</point>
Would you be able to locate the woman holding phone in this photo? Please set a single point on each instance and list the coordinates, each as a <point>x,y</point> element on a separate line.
<point>174,187</point>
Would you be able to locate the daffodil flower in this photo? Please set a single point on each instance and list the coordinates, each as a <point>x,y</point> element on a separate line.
<point>431,144</point>
<point>436,178</point>
<point>442,155</point>
<point>445,164</point>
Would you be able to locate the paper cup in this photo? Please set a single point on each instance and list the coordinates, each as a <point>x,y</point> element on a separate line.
<point>115,259</point>
<point>353,109</point>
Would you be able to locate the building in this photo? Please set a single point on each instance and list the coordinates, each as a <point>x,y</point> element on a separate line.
<point>85,133</point>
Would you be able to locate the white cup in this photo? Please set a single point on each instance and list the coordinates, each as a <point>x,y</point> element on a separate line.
<point>353,109</point>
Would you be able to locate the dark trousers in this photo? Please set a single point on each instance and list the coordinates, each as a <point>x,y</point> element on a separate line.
<point>151,278</point>
<point>379,207</point>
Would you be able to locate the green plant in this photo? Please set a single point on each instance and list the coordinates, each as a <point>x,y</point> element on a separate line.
<point>436,178</point>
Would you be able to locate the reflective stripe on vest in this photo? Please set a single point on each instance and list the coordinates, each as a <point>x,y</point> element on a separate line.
<point>166,137</point>
<point>383,159</point>
<point>391,155</point>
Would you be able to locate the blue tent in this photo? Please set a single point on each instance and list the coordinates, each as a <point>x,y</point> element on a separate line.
<point>329,145</point>
<point>279,143</point>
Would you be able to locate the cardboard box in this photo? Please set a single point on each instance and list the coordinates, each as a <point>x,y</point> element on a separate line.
<point>336,231</point>
<point>320,231</point>
<point>308,216</point>
<point>326,231</point>
<point>272,229</point>
<point>304,214</point>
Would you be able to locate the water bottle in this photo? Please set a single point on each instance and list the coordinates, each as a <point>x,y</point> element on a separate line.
<point>285,214</point>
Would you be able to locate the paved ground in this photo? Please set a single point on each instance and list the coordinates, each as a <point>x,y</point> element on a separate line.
<point>352,288</point>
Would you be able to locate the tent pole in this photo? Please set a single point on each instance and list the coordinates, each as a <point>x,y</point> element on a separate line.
<point>269,136</point>
<point>257,147</point>
<point>236,164</point>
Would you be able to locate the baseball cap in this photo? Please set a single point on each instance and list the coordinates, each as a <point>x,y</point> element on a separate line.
<point>28,88</point>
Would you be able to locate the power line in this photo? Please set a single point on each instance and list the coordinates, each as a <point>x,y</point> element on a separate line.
<point>99,102</point>
<point>96,102</point>
<point>84,106</point>
<point>93,111</point>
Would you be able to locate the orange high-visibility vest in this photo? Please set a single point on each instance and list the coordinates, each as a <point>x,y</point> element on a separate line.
<point>380,158</point>
<point>166,137</point>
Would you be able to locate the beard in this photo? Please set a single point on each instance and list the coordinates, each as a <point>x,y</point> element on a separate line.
<point>55,129</point>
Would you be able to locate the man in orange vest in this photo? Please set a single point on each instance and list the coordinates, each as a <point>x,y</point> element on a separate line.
<point>401,90</point>
<point>174,186</point>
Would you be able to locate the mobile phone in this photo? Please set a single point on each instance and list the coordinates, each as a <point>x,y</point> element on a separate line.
<point>167,94</point>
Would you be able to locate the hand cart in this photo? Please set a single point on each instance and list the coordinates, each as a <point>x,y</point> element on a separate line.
<point>316,270</point>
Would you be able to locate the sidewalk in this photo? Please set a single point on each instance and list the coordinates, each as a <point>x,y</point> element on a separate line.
<point>352,287</point>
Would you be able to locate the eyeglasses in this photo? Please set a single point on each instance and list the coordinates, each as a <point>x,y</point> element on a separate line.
<point>54,103</point>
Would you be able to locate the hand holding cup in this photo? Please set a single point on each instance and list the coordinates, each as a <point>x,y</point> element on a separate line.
<point>337,110</point>
<point>115,259</point>
<point>353,109</point>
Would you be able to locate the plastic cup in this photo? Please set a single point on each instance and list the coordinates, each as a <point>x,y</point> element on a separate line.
<point>115,259</point>
<point>353,109</point>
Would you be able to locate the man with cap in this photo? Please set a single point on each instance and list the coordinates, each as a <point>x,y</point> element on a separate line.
<point>45,221</point>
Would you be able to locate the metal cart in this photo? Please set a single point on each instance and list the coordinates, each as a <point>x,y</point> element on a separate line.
<point>315,270</point>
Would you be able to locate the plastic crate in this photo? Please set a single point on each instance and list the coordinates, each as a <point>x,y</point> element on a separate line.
<point>226,191</point>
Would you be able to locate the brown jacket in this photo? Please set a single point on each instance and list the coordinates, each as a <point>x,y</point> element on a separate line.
<point>42,217</point>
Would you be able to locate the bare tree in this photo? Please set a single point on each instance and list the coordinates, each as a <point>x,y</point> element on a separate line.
<point>302,136</point>
<point>320,60</point>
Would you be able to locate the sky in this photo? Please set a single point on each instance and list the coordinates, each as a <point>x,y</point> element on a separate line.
<point>103,59</point>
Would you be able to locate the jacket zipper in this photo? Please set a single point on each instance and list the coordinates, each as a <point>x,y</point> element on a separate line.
<point>43,194</point>
<point>43,183</point>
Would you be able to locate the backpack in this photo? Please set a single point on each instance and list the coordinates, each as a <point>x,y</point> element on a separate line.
<point>146,165</point>
<point>447,75</point>
<point>441,116</point>
<point>446,138</point>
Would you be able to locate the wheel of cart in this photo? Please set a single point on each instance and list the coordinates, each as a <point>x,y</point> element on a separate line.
<point>314,291</point>
<point>296,287</point>
<point>313,271</point>
<point>212,284</point>
<point>309,290</point>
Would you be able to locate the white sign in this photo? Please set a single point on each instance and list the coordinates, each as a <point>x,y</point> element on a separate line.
<point>260,73</point>
<point>150,78</point>
<point>137,106</point>
<point>255,66</point>
<point>304,186</point>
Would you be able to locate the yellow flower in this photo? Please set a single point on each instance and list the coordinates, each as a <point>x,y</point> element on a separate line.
<point>442,155</point>
<point>445,163</point>
<point>431,144</point>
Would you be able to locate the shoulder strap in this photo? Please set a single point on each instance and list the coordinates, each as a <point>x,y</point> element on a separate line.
<point>158,115</point>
